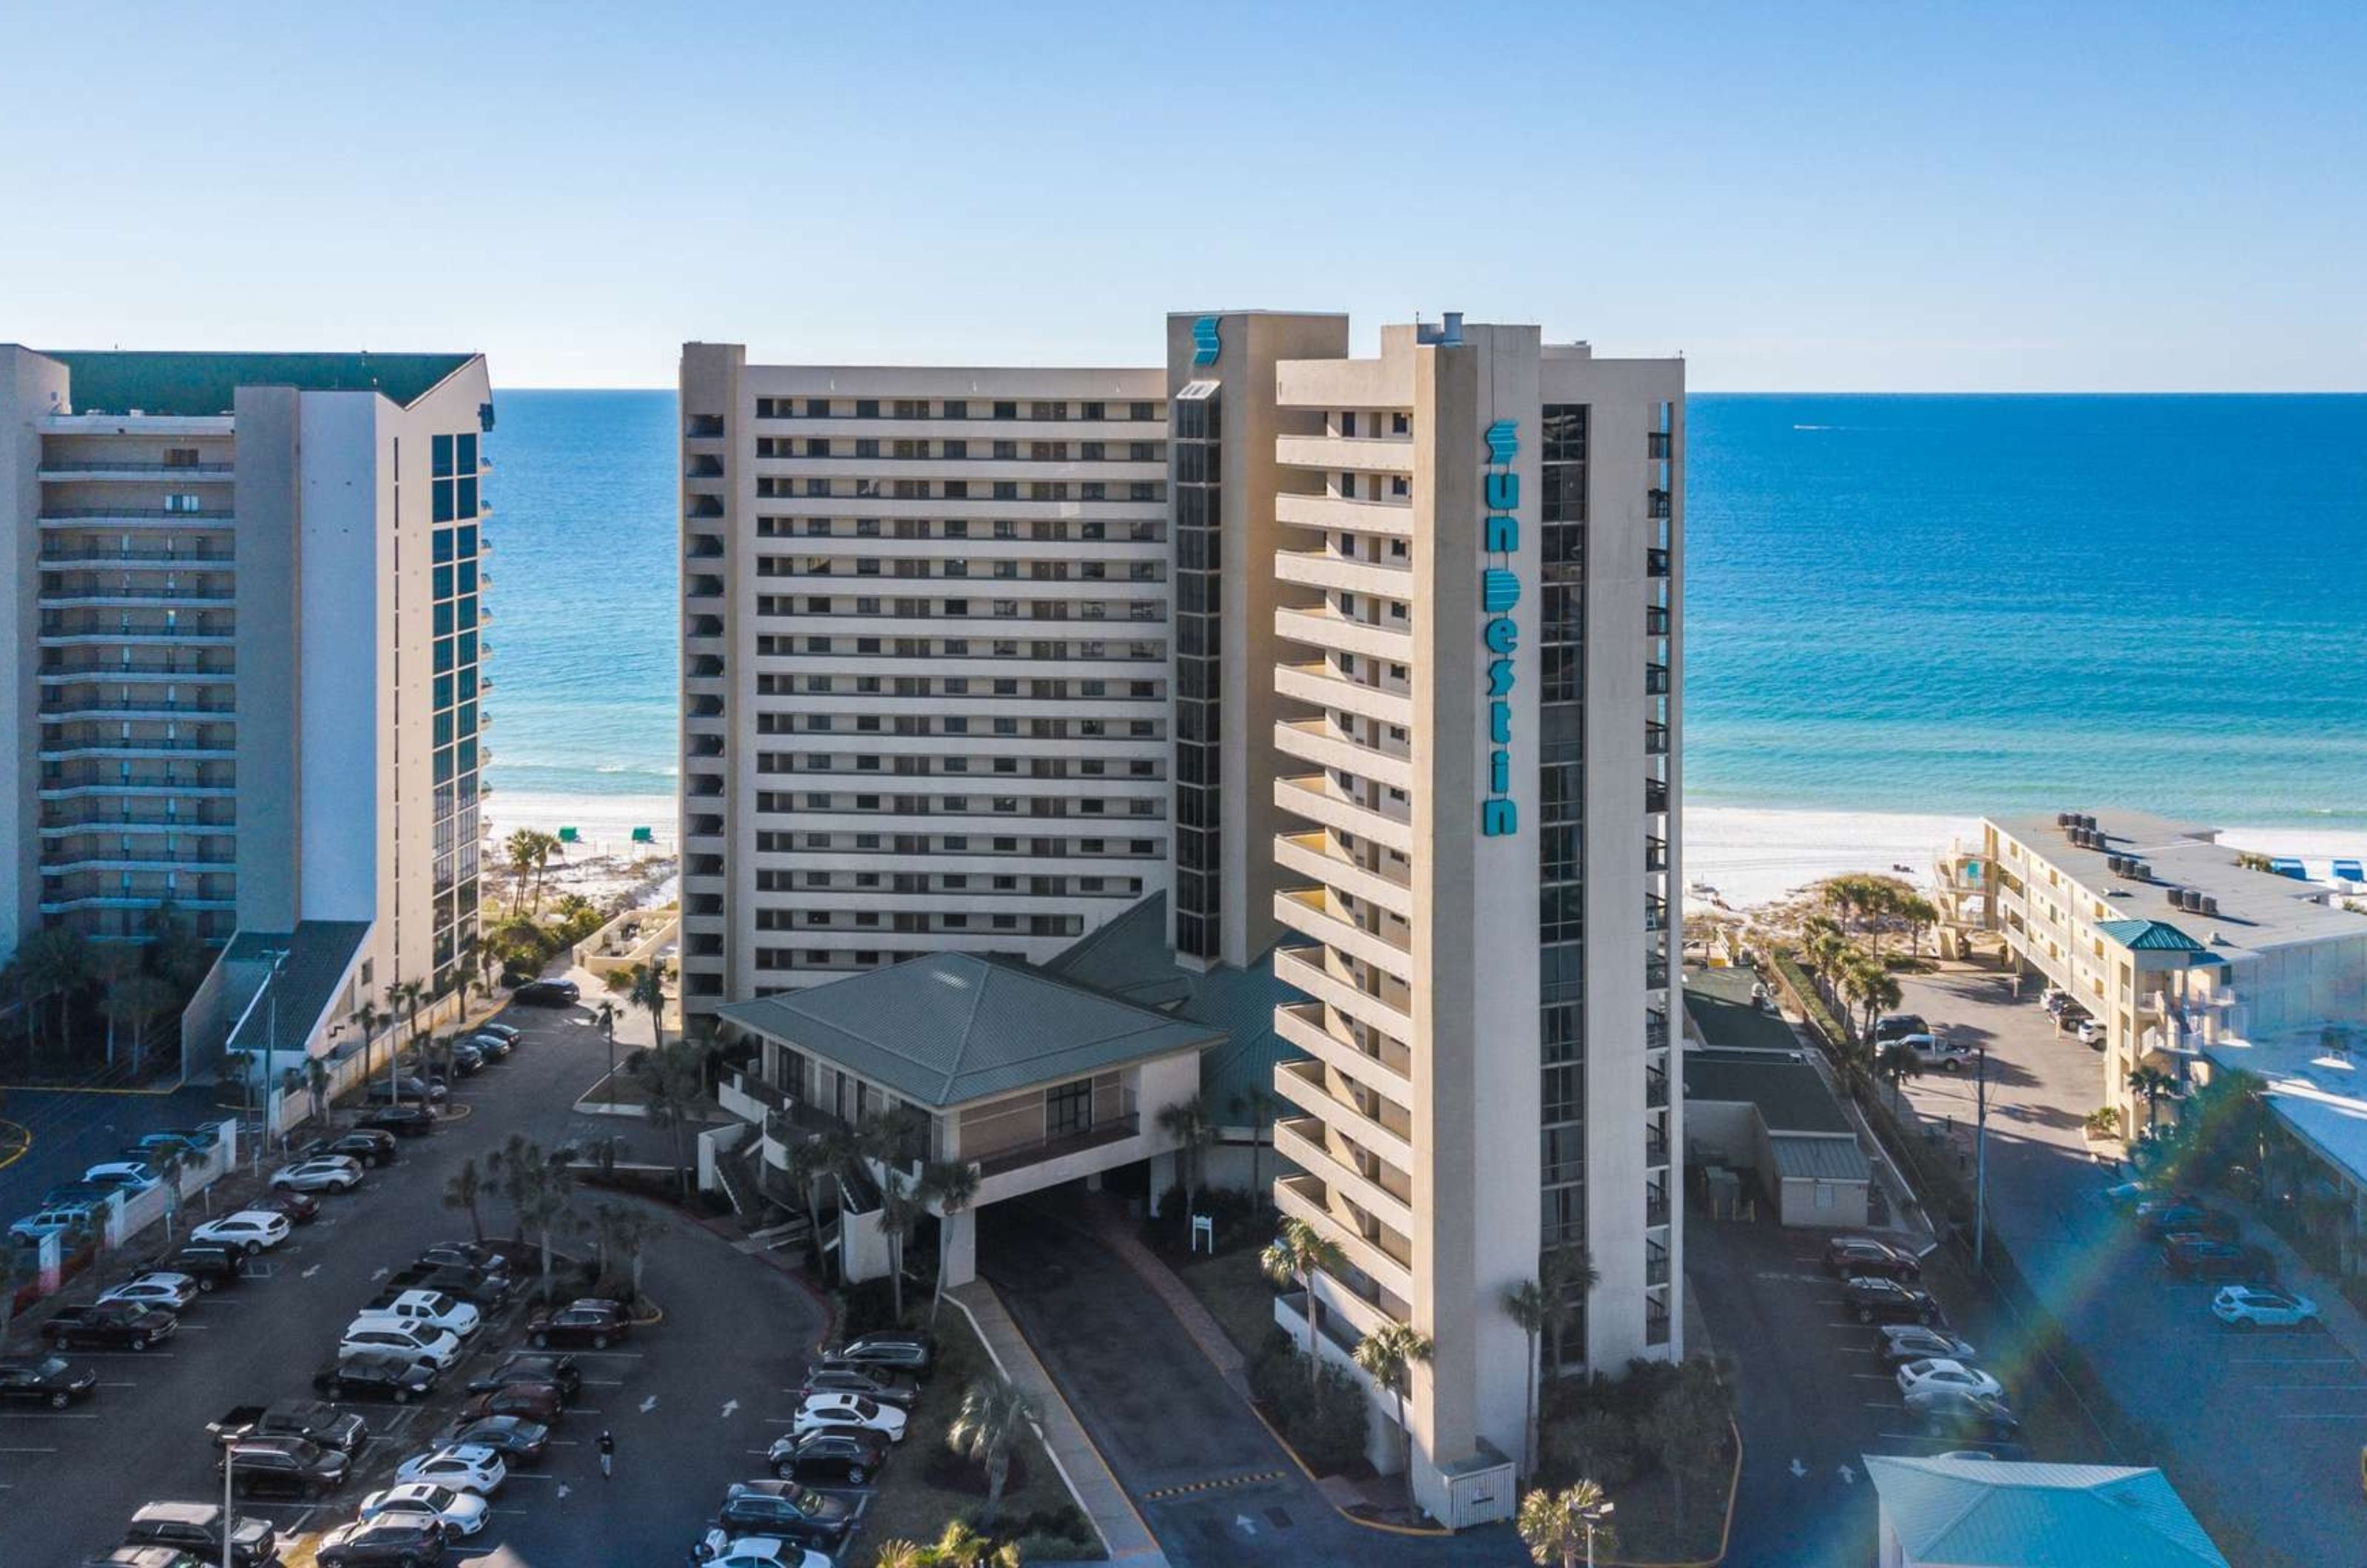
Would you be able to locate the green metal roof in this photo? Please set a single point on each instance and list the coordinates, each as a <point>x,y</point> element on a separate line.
<point>319,953</point>
<point>1719,1001</point>
<point>2003,1514</point>
<point>949,1028</point>
<point>1819,1160</point>
<point>1790,1095</point>
<point>2149,936</point>
<point>205,384</point>
<point>1130,958</point>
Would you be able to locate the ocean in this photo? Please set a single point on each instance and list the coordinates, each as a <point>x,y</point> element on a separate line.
<point>1944,605</point>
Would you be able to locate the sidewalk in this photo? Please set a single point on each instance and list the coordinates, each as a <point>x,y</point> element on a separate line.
<point>1074,1454</point>
<point>1206,1332</point>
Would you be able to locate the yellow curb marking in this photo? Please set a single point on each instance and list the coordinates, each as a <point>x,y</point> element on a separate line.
<point>1222,1484</point>
<point>21,1135</point>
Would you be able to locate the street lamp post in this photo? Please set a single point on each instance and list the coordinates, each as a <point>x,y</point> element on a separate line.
<point>230,1519</point>
<point>608,1025</point>
<point>1981,1161</point>
<point>1594,1516</point>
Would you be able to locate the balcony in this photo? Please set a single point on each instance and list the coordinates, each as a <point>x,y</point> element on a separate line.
<point>1302,1083</point>
<point>1328,569</point>
<point>1316,741</point>
<point>1316,913</point>
<point>1327,628</point>
<point>1015,1156</point>
<point>1656,1212</point>
<point>1318,856</point>
<point>112,672</point>
<point>88,555</point>
<point>1301,1141</point>
<point>1364,1010</point>
<point>1324,686</point>
<point>68,469</point>
<point>134,517</point>
<point>1352,454</point>
<point>1336,515</point>
<point>1305,1198</point>
<point>1312,797</point>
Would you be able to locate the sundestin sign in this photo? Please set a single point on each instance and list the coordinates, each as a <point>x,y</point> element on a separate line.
<point>1499,593</point>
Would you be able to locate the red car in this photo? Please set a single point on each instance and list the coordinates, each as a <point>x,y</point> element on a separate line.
<point>587,1320</point>
<point>301,1208</point>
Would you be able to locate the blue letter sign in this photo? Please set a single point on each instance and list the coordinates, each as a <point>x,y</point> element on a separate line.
<point>1500,595</point>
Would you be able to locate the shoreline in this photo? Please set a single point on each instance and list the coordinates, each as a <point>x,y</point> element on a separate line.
<point>1752,855</point>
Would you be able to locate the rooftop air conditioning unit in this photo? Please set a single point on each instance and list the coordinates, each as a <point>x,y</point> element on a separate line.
<point>2210,903</point>
<point>2064,819</point>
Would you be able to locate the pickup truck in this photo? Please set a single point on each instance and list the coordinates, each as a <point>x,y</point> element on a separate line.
<point>312,1419</point>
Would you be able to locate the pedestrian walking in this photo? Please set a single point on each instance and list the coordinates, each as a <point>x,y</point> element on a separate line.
<point>607,1453</point>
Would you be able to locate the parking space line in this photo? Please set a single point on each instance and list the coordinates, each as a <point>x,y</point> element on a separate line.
<point>47,1416</point>
<point>602,1382</point>
<point>2290,1361</point>
<point>27,1450</point>
<point>2314,1415</point>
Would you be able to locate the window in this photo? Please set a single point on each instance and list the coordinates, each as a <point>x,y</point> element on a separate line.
<point>1068,1108</point>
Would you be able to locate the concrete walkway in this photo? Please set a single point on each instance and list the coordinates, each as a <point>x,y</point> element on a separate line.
<point>1113,1233</point>
<point>1074,1454</point>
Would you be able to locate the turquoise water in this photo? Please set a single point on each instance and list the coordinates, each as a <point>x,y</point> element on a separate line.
<point>1938,603</point>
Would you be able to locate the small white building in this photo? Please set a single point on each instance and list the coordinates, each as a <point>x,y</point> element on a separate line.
<point>1957,1513</point>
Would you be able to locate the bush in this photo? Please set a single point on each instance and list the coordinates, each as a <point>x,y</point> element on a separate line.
<point>1056,1549</point>
<point>1596,1445</point>
<point>1326,1425</point>
<point>867,1307</point>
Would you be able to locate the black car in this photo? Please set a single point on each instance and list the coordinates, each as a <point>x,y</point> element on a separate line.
<point>209,1265</point>
<point>895,1352</point>
<point>406,1089</point>
<point>120,1325</point>
<point>405,1542</point>
<point>472,1285</point>
<point>585,1322</point>
<point>2193,1257</point>
<point>875,1383</point>
<point>44,1380</point>
<point>368,1373</point>
<point>1898,1026</point>
<point>144,1557</point>
<point>516,1438</point>
<point>787,1511</point>
<point>1955,1413</point>
<point>475,1254</point>
<point>1871,1299</point>
<point>1863,1254</point>
<point>492,1047</point>
<point>402,1121</point>
<point>285,1467</point>
<point>547,994</point>
<point>848,1457</point>
<point>2168,1217</point>
<point>196,1529</point>
<point>363,1145</point>
<point>467,1060</point>
<point>519,1366</point>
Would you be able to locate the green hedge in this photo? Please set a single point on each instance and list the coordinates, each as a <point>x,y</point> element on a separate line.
<point>1326,1421</point>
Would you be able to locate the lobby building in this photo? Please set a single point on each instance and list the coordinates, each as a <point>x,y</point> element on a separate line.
<point>1403,696</point>
<point>240,609</point>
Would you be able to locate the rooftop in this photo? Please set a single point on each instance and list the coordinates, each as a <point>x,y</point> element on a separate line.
<point>2320,1093</point>
<point>319,953</point>
<point>1720,1003</point>
<point>199,384</point>
<point>2258,909</point>
<point>1130,958</point>
<point>2004,1514</point>
<point>949,1028</point>
<point>1789,1094</point>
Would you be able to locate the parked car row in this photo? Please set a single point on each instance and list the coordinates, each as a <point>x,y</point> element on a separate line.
<point>74,1206</point>
<point>1944,1385</point>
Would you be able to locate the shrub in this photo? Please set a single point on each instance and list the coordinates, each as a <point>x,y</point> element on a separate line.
<point>868,1306</point>
<point>1056,1549</point>
<point>1327,1423</point>
<point>1595,1445</point>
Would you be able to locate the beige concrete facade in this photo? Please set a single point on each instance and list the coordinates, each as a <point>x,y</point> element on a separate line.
<point>236,680</point>
<point>924,663</point>
<point>1460,833</point>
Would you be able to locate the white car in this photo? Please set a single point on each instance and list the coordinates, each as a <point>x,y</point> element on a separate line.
<point>465,1467</point>
<point>1917,1376</point>
<point>2089,1030</point>
<point>2256,1306</point>
<point>720,1550</point>
<point>173,1293</point>
<point>329,1173</point>
<point>433,1346</point>
<point>131,1175</point>
<point>829,1410</point>
<point>251,1229</point>
<point>460,1513</point>
<point>430,1309</point>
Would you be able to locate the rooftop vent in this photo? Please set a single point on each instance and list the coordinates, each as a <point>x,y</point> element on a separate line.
<point>2210,903</point>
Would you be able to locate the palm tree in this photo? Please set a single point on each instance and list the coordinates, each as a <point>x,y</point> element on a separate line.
<point>1895,1065</point>
<point>506,1167</point>
<point>674,1087</point>
<point>901,1208</point>
<point>643,985</point>
<point>1689,1424</point>
<point>2152,1085</point>
<point>950,1184</point>
<point>316,1086</point>
<point>1524,1303</point>
<point>1386,1355</point>
<point>903,1554</point>
<point>1297,1253</point>
<point>175,950</point>
<point>52,963</point>
<point>1187,1122</point>
<point>167,1163</point>
<point>394,990</point>
<point>994,1415</point>
<point>462,1192</point>
<point>624,1234</point>
<point>545,1195</point>
<point>1563,1527</point>
<point>527,850</point>
<point>1256,1105</point>
<point>368,1019</point>
<point>1566,1276</point>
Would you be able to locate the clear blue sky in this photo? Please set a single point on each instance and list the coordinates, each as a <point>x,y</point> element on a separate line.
<point>1796,195</point>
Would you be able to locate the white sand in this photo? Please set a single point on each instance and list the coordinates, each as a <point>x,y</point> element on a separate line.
<point>1754,856</point>
<point>604,822</point>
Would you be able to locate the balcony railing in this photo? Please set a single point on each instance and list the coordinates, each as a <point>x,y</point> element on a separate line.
<point>1655,1211</point>
<point>1011,1157</point>
<point>56,466</point>
<point>144,514</point>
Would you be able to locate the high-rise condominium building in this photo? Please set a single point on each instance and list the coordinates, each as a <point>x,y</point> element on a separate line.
<point>1412,726</point>
<point>239,616</point>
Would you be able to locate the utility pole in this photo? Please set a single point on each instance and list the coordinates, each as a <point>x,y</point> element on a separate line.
<point>1981,1163</point>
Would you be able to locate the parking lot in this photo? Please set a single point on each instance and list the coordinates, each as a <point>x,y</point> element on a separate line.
<point>694,1400</point>
<point>2264,1428</point>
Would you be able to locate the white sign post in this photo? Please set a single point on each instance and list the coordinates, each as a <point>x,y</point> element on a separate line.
<point>1204,1228</point>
